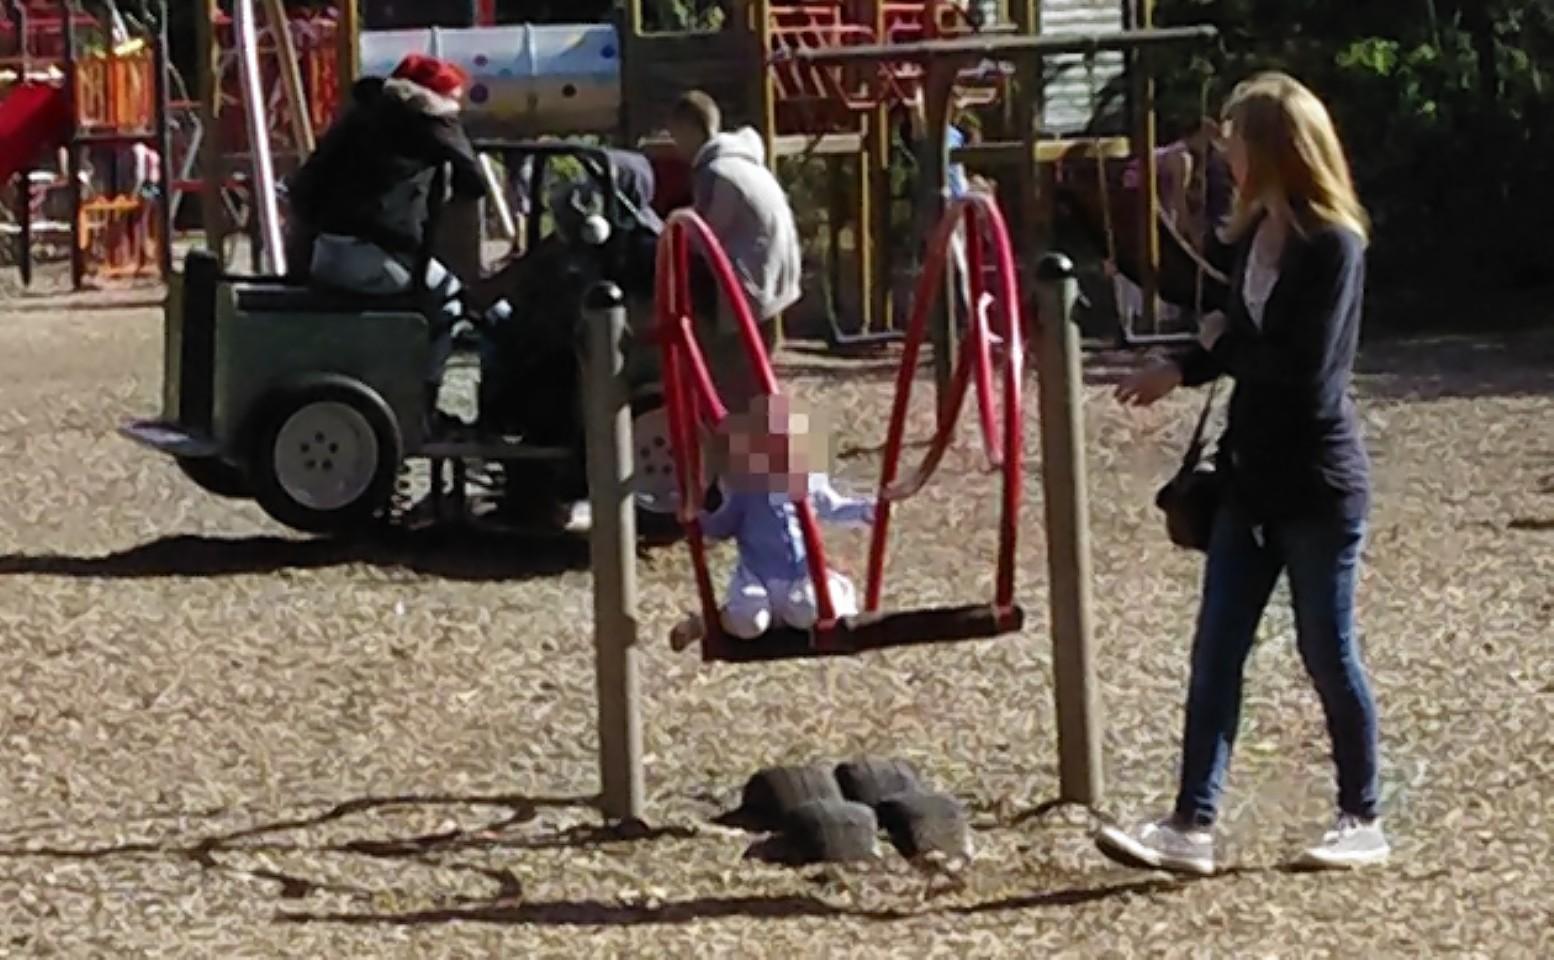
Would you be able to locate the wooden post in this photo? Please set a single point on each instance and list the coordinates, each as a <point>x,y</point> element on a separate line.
<point>1068,532</point>
<point>1149,187</point>
<point>613,545</point>
<point>212,166</point>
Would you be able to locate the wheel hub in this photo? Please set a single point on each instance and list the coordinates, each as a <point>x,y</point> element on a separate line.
<point>326,455</point>
<point>653,470</point>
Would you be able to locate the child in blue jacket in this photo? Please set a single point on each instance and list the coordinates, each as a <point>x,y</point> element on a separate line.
<point>772,455</point>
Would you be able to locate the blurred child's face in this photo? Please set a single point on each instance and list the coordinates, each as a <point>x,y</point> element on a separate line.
<point>771,449</point>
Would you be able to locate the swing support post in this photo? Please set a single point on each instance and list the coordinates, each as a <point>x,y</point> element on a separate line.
<point>1068,533</point>
<point>612,544</point>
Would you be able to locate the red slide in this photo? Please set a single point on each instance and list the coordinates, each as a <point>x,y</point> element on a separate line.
<point>33,117</point>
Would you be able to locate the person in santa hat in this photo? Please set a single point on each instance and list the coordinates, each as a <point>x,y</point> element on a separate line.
<point>361,201</point>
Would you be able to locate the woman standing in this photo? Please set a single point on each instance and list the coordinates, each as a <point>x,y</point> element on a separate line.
<point>1298,485</point>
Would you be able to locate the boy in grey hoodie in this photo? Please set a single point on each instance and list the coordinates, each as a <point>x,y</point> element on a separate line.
<point>748,211</point>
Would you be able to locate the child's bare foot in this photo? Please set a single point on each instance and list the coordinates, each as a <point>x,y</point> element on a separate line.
<point>687,632</point>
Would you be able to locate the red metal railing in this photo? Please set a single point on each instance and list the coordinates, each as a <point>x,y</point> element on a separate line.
<point>827,97</point>
<point>981,221</point>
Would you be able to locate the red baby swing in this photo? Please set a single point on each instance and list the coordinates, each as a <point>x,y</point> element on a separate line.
<point>691,399</point>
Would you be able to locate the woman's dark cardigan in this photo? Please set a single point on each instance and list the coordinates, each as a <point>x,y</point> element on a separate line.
<point>1292,444</point>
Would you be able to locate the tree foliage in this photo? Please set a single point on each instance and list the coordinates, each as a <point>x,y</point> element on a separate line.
<point>1444,105</point>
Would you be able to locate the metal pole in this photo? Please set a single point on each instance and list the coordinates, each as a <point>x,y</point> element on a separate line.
<point>1149,187</point>
<point>73,145</point>
<point>1068,532</point>
<point>612,545</point>
<point>24,215</point>
<point>161,63</point>
<point>497,194</point>
<point>212,162</point>
<point>245,32</point>
<point>933,166</point>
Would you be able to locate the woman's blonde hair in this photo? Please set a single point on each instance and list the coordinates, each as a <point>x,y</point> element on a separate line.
<point>1294,158</point>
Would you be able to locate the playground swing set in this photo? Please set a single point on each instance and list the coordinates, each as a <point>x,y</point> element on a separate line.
<point>936,65</point>
<point>693,402</point>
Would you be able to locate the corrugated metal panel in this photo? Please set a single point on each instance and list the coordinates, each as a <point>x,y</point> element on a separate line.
<point>1068,107</point>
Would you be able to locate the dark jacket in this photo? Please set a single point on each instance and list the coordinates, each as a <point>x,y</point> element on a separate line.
<point>1292,443</point>
<point>372,172</point>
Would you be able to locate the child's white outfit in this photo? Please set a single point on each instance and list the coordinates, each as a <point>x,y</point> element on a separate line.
<point>771,584</point>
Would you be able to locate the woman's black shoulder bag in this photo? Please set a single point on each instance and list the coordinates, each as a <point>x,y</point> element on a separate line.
<point>1193,496</point>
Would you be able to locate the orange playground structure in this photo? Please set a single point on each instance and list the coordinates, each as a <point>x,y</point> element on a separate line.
<point>84,137</point>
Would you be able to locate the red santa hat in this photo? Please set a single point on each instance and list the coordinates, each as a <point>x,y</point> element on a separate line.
<point>440,77</point>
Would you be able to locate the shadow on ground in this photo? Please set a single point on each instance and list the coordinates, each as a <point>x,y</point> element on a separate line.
<point>207,852</point>
<point>506,902</point>
<point>1459,367</point>
<point>591,913</point>
<point>449,554</point>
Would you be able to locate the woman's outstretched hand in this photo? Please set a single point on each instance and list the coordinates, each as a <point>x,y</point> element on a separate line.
<point>1141,388</point>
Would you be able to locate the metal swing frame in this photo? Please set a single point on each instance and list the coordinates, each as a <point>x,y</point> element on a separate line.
<point>692,400</point>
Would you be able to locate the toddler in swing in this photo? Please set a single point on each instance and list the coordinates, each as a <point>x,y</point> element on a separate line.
<point>773,462</point>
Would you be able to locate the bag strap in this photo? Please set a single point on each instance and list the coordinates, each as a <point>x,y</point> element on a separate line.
<point>1194,454</point>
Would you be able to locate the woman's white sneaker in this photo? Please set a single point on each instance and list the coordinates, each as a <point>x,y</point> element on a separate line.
<point>1352,842</point>
<point>1162,845</point>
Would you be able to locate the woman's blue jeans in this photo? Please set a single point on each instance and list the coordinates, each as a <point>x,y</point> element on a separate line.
<point>1322,559</point>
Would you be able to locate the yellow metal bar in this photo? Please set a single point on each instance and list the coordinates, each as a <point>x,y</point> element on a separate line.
<point>1042,151</point>
<point>291,75</point>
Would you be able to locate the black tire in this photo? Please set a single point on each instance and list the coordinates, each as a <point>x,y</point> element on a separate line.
<point>771,796</point>
<point>217,477</point>
<point>354,414</point>
<point>832,831</point>
<point>868,780</point>
<point>921,823</point>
